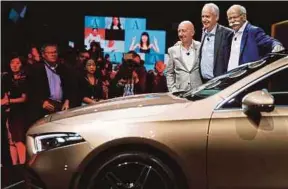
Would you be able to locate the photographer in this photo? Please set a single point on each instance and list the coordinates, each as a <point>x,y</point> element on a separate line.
<point>126,81</point>
<point>140,70</point>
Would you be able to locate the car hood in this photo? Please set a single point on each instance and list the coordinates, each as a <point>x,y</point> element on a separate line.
<point>118,103</point>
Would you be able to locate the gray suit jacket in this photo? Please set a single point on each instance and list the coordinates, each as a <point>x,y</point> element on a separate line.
<point>179,77</point>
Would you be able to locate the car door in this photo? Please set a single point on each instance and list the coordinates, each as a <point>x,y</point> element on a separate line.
<point>249,152</point>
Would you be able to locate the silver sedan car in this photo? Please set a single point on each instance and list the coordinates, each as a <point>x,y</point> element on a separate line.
<point>229,133</point>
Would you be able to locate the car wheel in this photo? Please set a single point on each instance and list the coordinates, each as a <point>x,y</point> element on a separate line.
<point>132,170</point>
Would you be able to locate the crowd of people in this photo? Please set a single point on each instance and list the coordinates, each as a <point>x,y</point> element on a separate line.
<point>44,83</point>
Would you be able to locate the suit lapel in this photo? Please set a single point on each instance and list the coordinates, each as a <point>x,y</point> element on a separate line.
<point>195,57</point>
<point>244,40</point>
<point>218,38</point>
<point>45,78</point>
<point>182,59</point>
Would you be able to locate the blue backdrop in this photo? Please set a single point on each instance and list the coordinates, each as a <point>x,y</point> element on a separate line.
<point>94,22</point>
<point>135,23</point>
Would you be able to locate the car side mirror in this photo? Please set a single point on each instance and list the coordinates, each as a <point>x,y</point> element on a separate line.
<point>258,101</point>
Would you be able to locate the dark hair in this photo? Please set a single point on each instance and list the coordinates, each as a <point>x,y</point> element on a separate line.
<point>95,29</point>
<point>118,25</point>
<point>13,56</point>
<point>134,53</point>
<point>87,60</point>
<point>95,44</point>
<point>82,50</point>
<point>148,39</point>
<point>106,56</point>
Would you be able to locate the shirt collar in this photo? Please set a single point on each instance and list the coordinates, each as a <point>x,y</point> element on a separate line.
<point>52,67</point>
<point>192,46</point>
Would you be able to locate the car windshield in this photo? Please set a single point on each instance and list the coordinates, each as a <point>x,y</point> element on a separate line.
<point>219,83</point>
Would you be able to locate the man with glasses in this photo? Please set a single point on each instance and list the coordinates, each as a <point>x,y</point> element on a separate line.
<point>249,43</point>
<point>50,85</point>
<point>215,44</point>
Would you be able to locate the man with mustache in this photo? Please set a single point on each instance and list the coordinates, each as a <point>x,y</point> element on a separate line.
<point>249,43</point>
<point>183,65</point>
<point>215,44</point>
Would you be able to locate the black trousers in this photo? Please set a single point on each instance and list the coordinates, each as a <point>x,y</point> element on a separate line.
<point>5,150</point>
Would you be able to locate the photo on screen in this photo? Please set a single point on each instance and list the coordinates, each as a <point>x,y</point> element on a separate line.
<point>135,24</point>
<point>145,41</point>
<point>113,46</point>
<point>94,22</point>
<point>115,23</point>
<point>114,57</point>
<point>94,34</point>
<point>151,59</point>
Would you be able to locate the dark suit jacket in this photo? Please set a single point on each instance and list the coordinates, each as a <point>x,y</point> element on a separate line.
<point>255,44</point>
<point>38,88</point>
<point>222,45</point>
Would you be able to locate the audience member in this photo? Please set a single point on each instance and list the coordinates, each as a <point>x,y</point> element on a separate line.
<point>156,80</point>
<point>91,86</point>
<point>51,86</point>
<point>14,99</point>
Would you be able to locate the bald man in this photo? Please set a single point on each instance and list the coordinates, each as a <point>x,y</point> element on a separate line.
<point>183,65</point>
<point>249,43</point>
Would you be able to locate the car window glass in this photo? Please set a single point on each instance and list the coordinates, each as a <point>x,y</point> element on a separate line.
<point>276,84</point>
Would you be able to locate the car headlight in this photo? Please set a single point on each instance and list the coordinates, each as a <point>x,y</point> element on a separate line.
<point>55,140</point>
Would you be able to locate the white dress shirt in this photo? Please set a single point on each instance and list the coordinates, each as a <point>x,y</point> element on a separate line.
<point>235,48</point>
<point>207,54</point>
<point>188,56</point>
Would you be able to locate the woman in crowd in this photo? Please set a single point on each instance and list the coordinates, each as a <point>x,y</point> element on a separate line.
<point>14,100</point>
<point>91,86</point>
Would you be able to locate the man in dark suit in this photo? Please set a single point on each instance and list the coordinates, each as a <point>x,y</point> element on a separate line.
<point>50,85</point>
<point>215,44</point>
<point>249,43</point>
